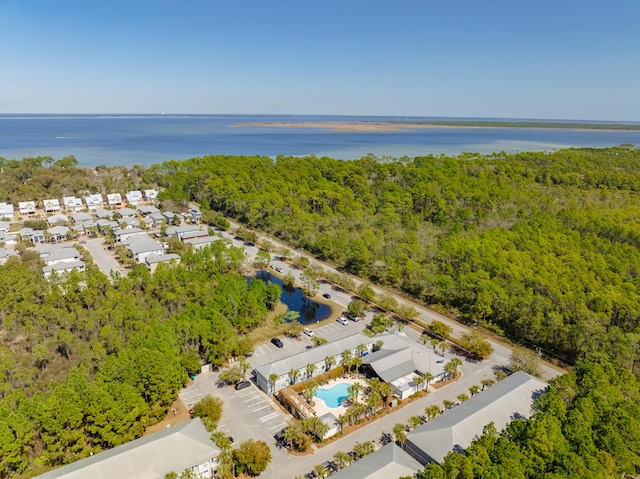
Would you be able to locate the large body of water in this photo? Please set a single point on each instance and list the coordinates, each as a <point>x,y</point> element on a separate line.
<point>148,139</point>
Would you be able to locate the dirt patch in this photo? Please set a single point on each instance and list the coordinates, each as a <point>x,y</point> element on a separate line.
<point>177,414</point>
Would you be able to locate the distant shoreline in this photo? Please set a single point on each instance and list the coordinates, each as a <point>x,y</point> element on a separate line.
<point>390,127</point>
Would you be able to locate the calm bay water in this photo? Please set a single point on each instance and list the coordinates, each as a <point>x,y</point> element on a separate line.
<point>147,139</point>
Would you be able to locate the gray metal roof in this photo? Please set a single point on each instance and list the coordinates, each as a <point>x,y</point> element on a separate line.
<point>510,399</point>
<point>151,457</point>
<point>388,462</point>
<point>401,355</point>
<point>313,355</point>
<point>141,243</point>
<point>161,258</point>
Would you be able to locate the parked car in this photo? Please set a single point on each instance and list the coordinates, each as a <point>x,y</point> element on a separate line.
<point>326,296</point>
<point>243,385</point>
<point>343,321</point>
<point>309,332</point>
<point>279,270</point>
<point>277,342</point>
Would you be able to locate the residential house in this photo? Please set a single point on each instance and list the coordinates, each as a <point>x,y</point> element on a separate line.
<point>114,200</point>
<point>27,208</point>
<point>195,214</point>
<point>510,399</point>
<point>201,241</point>
<point>94,201</point>
<point>71,203</point>
<point>147,209</point>
<point>79,218</point>
<point>103,214</point>
<point>389,461</point>
<point>58,233</point>
<point>37,236</point>
<point>151,195</point>
<point>51,206</point>
<point>127,212</point>
<point>154,219</point>
<point>5,254</point>
<point>8,238</point>
<point>123,235</point>
<point>134,197</point>
<point>62,268</point>
<point>153,260</point>
<point>58,219</point>
<point>186,232</point>
<point>6,210</point>
<point>170,217</point>
<point>5,226</point>
<point>142,246</point>
<point>129,223</point>
<point>104,224</point>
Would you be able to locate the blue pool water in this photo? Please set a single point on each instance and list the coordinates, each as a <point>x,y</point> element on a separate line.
<point>333,397</point>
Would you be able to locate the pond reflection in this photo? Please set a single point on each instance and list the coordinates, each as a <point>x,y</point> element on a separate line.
<point>310,311</point>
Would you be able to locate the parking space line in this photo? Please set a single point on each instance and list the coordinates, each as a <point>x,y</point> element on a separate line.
<point>254,404</point>
<point>278,426</point>
<point>249,393</point>
<point>251,399</point>
<point>261,408</point>
<point>269,417</point>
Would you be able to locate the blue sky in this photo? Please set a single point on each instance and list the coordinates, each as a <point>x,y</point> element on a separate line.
<point>459,58</point>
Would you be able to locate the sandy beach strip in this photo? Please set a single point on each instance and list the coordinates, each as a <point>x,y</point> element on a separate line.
<point>350,126</point>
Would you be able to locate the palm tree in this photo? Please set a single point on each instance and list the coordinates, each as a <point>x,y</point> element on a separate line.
<point>311,368</point>
<point>310,390</point>
<point>361,348</point>
<point>342,459</point>
<point>428,377</point>
<point>475,389</point>
<point>400,432</point>
<point>462,397</point>
<point>425,338</point>
<point>418,381</point>
<point>414,422</point>
<point>447,404</point>
<point>431,411</point>
<point>487,382</point>
<point>329,363</point>
<point>341,420</point>
<point>385,390</point>
<point>353,391</point>
<point>273,377</point>
<point>347,356</point>
<point>294,374</point>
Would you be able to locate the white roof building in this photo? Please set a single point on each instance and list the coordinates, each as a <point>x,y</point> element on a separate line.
<point>71,203</point>
<point>27,207</point>
<point>153,260</point>
<point>63,267</point>
<point>52,205</point>
<point>6,210</point>
<point>58,219</point>
<point>134,197</point>
<point>510,399</point>
<point>94,201</point>
<point>175,449</point>
<point>122,236</point>
<point>388,462</point>
<point>151,195</point>
<point>141,246</point>
<point>114,199</point>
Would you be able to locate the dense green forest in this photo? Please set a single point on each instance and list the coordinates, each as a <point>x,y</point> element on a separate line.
<point>586,425</point>
<point>87,363</point>
<point>540,247</point>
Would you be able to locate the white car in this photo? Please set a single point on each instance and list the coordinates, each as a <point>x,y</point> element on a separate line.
<point>343,321</point>
<point>309,332</point>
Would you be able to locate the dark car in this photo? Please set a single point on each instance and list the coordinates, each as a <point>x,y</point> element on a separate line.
<point>326,295</point>
<point>278,342</point>
<point>243,385</point>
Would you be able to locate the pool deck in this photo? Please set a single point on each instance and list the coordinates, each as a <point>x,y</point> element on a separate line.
<point>321,408</point>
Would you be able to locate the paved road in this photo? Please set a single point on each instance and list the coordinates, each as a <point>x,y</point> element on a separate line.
<point>101,257</point>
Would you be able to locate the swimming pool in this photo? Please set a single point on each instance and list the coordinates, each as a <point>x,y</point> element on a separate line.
<point>334,396</point>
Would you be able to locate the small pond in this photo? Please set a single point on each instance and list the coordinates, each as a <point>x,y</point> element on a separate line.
<point>310,311</point>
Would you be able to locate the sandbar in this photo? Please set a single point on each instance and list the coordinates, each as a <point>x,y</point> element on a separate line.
<point>351,126</point>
